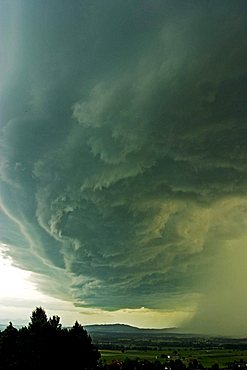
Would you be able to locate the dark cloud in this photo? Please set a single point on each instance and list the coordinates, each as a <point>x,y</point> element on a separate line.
<point>123,146</point>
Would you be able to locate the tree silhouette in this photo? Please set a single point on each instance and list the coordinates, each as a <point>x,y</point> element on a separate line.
<point>45,344</point>
<point>8,346</point>
<point>54,323</point>
<point>39,319</point>
<point>80,345</point>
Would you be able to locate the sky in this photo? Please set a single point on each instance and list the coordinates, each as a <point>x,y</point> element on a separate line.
<point>123,162</point>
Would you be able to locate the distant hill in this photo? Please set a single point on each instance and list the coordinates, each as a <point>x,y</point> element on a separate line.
<point>126,329</point>
<point>113,329</point>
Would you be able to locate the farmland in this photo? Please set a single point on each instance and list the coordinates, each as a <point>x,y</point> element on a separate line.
<point>164,346</point>
<point>206,357</point>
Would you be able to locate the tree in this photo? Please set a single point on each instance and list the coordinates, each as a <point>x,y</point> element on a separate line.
<point>8,346</point>
<point>79,345</point>
<point>215,366</point>
<point>54,323</point>
<point>44,344</point>
<point>38,319</point>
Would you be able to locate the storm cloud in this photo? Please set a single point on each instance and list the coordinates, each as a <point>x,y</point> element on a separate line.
<point>123,151</point>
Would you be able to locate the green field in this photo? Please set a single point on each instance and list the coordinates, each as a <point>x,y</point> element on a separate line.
<point>206,357</point>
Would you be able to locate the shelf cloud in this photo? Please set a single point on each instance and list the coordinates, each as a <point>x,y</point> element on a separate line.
<point>123,153</point>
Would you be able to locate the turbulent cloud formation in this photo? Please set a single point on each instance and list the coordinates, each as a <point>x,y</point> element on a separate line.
<point>123,150</point>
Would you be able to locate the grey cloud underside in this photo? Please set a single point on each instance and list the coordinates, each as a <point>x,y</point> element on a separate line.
<point>123,133</point>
